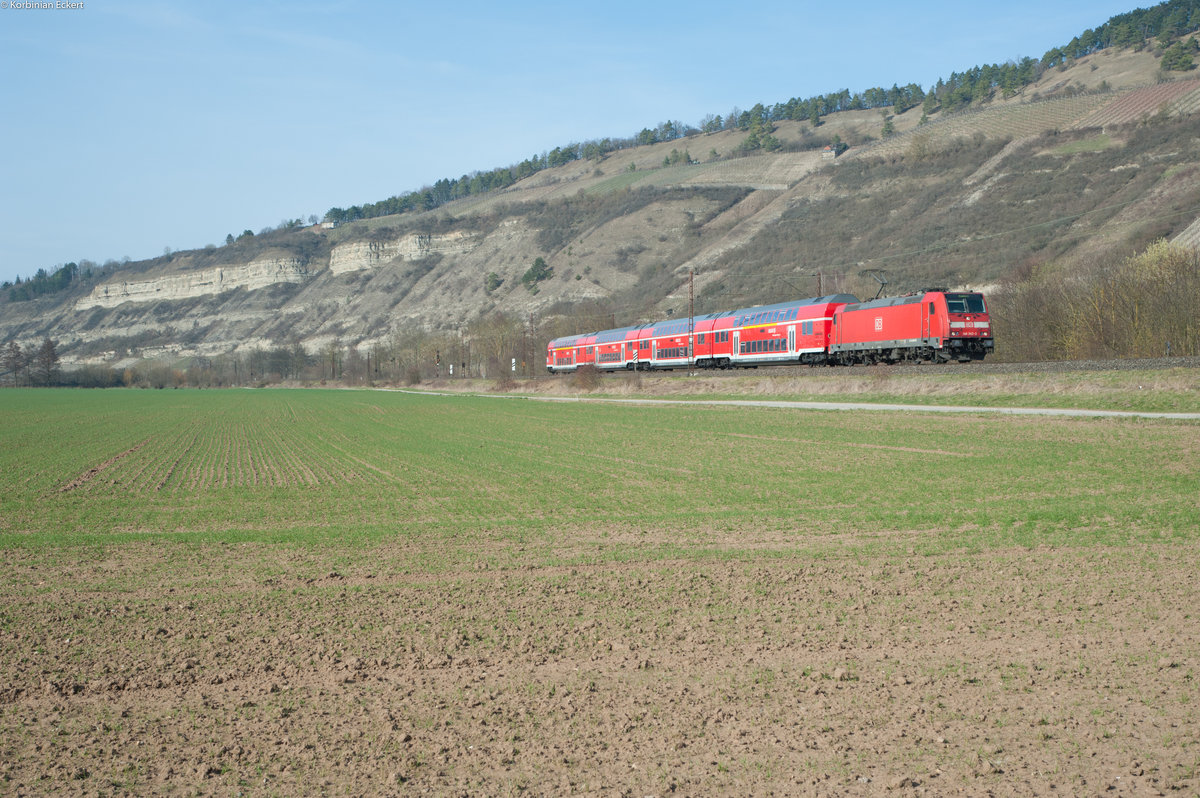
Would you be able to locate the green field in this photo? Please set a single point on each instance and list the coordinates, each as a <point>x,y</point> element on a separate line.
<point>497,473</point>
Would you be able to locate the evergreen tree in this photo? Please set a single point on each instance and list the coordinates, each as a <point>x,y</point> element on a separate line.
<point>12,360</point>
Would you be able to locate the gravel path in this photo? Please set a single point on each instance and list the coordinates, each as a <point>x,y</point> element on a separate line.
<point>875,406</point>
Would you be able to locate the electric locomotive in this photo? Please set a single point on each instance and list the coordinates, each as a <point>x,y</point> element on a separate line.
<point>932,326</point>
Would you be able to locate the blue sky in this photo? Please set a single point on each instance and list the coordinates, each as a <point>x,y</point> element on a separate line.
<point>129,126</point>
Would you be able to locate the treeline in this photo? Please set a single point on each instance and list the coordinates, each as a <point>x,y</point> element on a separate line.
<point>1164,21</point>
<point>1141,306</point>
<point>44,282</point>
<point>449,189</point>
<point>34,365</point>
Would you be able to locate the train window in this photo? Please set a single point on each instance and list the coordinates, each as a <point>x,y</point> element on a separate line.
<point>931,311</point>
<point>965,303</point>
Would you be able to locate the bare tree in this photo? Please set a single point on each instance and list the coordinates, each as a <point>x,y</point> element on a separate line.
<point>45,363</point>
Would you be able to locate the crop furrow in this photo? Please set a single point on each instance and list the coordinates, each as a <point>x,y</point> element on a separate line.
<point>94,471</point>
<point>174,466</point>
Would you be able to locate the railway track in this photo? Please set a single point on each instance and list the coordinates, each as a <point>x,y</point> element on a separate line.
<point>978,367</point>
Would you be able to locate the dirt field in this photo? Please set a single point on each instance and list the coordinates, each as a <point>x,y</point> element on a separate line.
<point>258,669</point>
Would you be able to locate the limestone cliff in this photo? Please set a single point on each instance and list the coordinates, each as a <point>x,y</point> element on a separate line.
<point>189,285</point>
<point>360,255</point>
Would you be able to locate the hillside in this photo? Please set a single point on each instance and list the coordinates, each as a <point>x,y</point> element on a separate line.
<point>1094,159</point>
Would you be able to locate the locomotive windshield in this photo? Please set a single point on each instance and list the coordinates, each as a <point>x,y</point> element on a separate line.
<point>965,303</point>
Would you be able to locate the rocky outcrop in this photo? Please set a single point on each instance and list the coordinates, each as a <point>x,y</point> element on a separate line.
<point>256,274</point>
<point>360,255</point>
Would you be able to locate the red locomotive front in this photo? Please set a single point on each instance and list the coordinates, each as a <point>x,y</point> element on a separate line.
<point>933,325</point>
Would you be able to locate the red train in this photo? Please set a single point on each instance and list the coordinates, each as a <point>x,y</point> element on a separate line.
<point>931,326</point>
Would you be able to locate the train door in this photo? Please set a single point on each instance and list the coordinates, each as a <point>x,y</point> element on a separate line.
<point>735,350</point>
<point>792,338</point>
<point>927,316</point>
